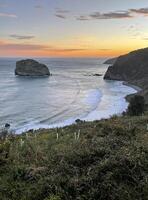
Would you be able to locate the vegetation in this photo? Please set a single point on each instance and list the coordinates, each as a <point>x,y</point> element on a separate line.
<point>105,160</point>
<point>136,106</point>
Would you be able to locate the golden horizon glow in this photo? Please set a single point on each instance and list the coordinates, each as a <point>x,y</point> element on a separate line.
<point>41,50</point>
<point>87,53</point>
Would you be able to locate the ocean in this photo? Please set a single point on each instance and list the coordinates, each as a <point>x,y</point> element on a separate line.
<point>72,92</point>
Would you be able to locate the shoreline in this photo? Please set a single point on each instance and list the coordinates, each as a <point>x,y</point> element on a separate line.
<point>137,88</point>
<point>114,149</point>
<point>132,86</point>
<point>72,121</point>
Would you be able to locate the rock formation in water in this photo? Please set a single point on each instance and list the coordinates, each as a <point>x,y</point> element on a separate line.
<point>132,68</point>
<point>110,61</point>
<point>31,67</point>
<point>97,74</point>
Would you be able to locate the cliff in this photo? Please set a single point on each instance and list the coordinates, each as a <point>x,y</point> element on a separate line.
<point>132,68</point>
<point>110,61</point>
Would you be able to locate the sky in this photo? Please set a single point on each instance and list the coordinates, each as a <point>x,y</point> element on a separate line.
<point>72,28</point>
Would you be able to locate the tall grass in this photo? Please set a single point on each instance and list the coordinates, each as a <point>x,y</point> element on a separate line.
<point>108,160</point>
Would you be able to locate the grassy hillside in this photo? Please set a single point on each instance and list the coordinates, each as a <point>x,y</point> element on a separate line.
<point>109,161</point>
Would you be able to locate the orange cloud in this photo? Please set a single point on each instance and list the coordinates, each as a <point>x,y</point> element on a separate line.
<point>8,48</point>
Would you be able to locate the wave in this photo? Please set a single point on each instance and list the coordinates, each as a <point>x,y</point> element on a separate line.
<point>111,105</point>
<point>103,106</point>
<point>93,98</point>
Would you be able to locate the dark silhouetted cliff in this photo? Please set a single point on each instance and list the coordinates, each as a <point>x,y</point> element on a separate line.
<point>132,68</point>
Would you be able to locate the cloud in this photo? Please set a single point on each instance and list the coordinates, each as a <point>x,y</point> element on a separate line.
<point>14,46</point>
<point>22,37</point>
<point>114,14</point>
<point>123,14</point>
<point>60,13</point>
<point>60,16</point>
<point>145,38</point>
<point>35,47</point>
<point>111,15</point>
<point>82,18</point>
<point>95,15</point>
<point>7,15</point>
<point>39,7</point>
<point>134,31</point>
<point>140,11</point>
<point>67,50</point>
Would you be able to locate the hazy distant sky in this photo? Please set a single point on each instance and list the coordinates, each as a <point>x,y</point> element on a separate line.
<point>72,27</point>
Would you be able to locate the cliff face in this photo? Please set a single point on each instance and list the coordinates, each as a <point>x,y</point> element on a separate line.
<point>132,68</point>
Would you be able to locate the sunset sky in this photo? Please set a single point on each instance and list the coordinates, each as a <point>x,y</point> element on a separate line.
<point>48,28</point>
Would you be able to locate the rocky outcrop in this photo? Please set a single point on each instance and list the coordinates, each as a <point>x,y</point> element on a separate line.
<point>132,68</point>
<point>5,131</point>
<point>31,67</point>
<point>97,74</point>
<point>110,61</point>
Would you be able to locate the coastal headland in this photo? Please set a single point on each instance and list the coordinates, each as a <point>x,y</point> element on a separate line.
<point>132,69</point>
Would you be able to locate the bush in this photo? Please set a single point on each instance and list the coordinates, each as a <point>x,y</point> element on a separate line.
<point>136,106</point>
<point>53,198</point>
<point>109,161</point>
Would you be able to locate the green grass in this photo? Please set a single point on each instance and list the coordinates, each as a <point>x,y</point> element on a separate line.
<point>108,162</point>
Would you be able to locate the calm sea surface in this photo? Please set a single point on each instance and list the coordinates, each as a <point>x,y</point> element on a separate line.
<point>70,93</point>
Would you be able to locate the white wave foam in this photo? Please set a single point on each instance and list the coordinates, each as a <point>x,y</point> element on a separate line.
<point>93,97</point>
<point>103,106</point>
<point>111,105</point>
<point>38,126</point>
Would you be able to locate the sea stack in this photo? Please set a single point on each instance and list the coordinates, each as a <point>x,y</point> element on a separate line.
<point>30,67</point>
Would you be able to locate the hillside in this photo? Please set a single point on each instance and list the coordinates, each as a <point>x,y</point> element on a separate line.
<point>105,160</point>
<point>132,68</point>
<point>110,61</point>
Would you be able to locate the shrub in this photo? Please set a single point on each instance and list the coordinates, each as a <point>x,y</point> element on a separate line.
<point>136,106</point>
<point>53,197</point>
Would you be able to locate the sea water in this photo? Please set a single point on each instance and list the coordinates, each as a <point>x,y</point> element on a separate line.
<point>72,92</point>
